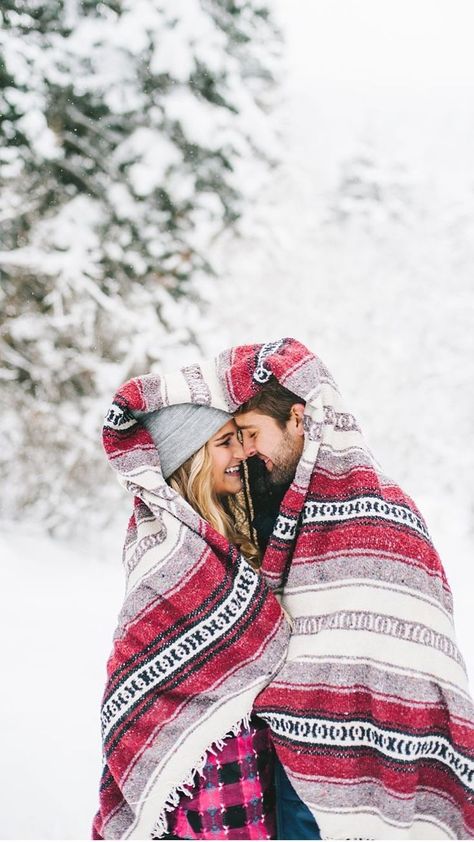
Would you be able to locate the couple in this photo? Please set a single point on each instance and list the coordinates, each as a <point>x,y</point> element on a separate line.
<point>301,638</point>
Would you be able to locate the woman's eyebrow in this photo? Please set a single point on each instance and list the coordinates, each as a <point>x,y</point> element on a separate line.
<point>225,436</point>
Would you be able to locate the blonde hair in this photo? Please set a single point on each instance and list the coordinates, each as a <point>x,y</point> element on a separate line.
<point>193,480</point>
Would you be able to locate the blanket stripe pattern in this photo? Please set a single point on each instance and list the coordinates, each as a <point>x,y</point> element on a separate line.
<point>198,636</point>
<point>371,713</point>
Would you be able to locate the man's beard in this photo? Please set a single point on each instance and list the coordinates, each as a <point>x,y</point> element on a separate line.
<point>284,466</point>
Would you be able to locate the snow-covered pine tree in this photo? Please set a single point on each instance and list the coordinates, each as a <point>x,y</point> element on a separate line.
<point>130,133</point>
<point>371,193</point>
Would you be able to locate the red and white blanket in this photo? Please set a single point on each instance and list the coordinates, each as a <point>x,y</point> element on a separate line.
<point>371,714</point>
<point>199,634</point>
<point>369,707</point>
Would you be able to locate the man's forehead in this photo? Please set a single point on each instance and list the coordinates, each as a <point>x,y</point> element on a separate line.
<point>251,419</point>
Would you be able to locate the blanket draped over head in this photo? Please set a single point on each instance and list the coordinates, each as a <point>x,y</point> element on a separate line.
<point>199,634</point>
<point>369,706</point>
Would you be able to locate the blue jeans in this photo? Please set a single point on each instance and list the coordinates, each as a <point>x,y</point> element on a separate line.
<point>294,819</point>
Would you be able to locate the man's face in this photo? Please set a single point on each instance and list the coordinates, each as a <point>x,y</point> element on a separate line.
<point>279,449</point>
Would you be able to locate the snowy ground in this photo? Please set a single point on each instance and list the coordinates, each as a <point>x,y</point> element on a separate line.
<point>58,606</point>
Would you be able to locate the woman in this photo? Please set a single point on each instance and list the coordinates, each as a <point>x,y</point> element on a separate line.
<point>212,473</point>
<point>198,636</point>
<point>236,783</point>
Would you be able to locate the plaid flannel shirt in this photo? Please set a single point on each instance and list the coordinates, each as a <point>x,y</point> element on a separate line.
<point>234,798</point>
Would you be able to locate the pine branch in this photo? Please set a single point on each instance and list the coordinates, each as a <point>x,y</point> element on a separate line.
<point>13,356</point>
<point>97,128</point>
<point>82,146</point>
<point>92,188</point>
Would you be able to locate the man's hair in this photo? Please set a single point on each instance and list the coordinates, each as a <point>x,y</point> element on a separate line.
<point>273,400</point>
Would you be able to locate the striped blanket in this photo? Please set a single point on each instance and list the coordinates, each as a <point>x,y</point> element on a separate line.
<point>199,634</point>
<point>369,705</point>
<point>371,714</point>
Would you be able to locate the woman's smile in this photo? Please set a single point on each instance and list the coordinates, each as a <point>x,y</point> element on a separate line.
<point>227,455</point>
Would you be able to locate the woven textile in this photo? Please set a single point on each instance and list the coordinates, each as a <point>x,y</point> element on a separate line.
<point>234,797</point>
<point>198,636</point>
<point>371,715</point>
<point>369,706</point>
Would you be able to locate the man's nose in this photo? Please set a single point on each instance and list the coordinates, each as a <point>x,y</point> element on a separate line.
<point>249,448</point>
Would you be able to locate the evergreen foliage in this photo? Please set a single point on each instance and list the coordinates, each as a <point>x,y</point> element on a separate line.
<point>129,132</point>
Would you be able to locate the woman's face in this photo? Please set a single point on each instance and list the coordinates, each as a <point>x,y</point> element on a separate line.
<point>227,455</point>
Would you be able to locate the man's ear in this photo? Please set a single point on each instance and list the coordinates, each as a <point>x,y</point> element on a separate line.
<point>296,415</point>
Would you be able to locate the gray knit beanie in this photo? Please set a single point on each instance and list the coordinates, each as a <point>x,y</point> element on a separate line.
<point>179,431</point>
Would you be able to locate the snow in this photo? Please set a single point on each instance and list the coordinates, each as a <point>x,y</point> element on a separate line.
<point>34,125</point>
<point>360,244</point>
<point>155,155</point>
<point>58,605</point>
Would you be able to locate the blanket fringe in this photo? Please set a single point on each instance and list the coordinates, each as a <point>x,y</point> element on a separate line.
<point>185,787</point>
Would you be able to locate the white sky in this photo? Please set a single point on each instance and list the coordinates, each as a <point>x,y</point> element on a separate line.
<point>398,73</point>
<point>380,42</point>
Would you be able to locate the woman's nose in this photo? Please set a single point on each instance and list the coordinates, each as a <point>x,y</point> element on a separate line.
<point>238,452</point>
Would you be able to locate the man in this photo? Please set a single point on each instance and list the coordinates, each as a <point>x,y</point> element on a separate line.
<point>272,430</point>
<point>271,424</point>
<point>371,713</point>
